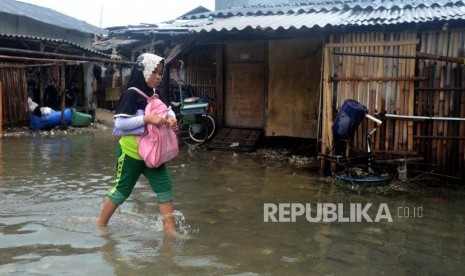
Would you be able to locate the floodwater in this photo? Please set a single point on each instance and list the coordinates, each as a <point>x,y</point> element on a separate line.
<point>52,188</point>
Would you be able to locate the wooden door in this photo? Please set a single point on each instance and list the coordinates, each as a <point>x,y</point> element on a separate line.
<point>245,85</point>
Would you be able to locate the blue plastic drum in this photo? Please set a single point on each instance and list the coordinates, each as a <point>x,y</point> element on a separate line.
<point>350,116</point>
<point>51,120</point>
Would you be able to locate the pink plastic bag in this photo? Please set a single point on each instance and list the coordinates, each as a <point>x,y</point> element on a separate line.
<point>157,145</point>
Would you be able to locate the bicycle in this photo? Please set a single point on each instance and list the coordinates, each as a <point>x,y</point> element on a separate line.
<point>195,121</point>
<point>356,169</point>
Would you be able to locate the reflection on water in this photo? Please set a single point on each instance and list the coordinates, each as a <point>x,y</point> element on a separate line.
<point>52,188</point>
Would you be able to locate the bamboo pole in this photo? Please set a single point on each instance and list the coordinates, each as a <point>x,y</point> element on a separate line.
<point>363,66</point>
<point>427,126</point>
<point>356,84</point>
<point>20,66</point>
<point>461,150</point>
<point>442,148</point>
<point>338,71</point>
<point>427,47</point>
<point>430,108</point>
<point>329,103</point>
<point>324,121</point>
<point>342,66</point>
<point>454,89</point>
<point>343,72</point>
<point>13,81</point>
<point>371,89</point>
<point>435,110</point>
<point>454,149</point>
<point>397,97</point>
<point>418,55</point>
<point>446,153</point>
<point>362,88</point>
<point>403,95</point>
<point>441,137</point>
<point>327,141</point>
<point>411,102</point>
<point>451,101</point>
<point>62,94</point>
<point>394,55</point>
<point>389,91</point>
<point>454,47</point>
<point>41,79</point>
<point>358,89</point>
<point>379,88</point>
<point>439,49</point>
<point>382,79</point>
<point>339,68</point>
<point>56,55</point>
<point>348,69</point>
<point>461,153</point>
<point>440,113</point>
<point>372,43</point>
<point>422,97</point>
<point>424,118</point>
<point>409,99</point>
<point>369,71</point>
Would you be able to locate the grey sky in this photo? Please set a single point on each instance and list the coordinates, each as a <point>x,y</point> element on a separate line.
<point>110,13</point>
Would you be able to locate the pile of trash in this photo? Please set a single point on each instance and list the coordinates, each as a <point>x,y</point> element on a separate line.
<point>285,156</point>
<point>69,130</point>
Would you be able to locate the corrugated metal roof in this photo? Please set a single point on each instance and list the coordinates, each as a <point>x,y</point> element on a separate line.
<point>323,14</point>
<point>48,16</point>
<point>58,41</point>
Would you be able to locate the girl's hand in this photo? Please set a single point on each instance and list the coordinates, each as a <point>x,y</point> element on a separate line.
<point>154,120</point>
<point>172,123</point>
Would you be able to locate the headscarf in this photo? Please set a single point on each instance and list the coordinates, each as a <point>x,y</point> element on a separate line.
<point>141,71</point>
<point>147,63</point>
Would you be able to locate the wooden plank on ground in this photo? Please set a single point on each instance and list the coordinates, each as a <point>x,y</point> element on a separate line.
<point>235,139</point>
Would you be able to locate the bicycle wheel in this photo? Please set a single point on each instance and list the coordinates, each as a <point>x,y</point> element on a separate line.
<point>198,131</point>
<point>211,126</point>
<point>183,131</point>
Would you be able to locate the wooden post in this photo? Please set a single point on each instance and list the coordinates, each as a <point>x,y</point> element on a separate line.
<point>399,96</point>
<point>219,85</point>
<point>461,131</point>
<point>379,89</point>
<point>62,93</point>
<point>327,123</point>
<point>389,95</point>
<point>409,99</point>
<point>324,114</point>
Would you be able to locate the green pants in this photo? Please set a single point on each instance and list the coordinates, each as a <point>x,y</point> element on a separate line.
<point>128,171</point>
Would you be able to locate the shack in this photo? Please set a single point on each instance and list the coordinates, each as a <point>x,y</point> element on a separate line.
<point>288,68</point>
<point>47,56</point>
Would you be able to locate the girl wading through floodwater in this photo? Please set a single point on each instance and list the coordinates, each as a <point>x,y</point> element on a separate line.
<point>129,121</point>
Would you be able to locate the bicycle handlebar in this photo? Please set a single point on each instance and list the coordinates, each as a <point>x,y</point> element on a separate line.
<point>376,120</point>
